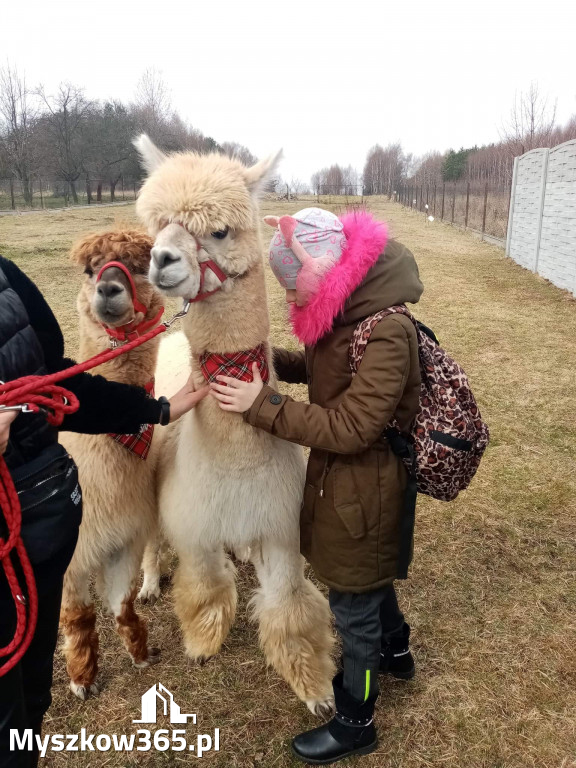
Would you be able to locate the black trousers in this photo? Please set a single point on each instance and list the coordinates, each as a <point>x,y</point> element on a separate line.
<point>25,689</point>
<point>366,623</point>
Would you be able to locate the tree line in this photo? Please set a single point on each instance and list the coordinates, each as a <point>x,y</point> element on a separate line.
<point>73,140</point>
<point>531,124</point>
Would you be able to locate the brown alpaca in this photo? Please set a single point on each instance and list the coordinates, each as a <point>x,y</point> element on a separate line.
<point>118,486</point>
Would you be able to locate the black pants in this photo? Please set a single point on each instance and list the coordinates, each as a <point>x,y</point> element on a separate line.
<point>366,623</point>
<point>25,689</point>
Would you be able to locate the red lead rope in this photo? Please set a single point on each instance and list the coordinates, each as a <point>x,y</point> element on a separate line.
<point>38,392</point>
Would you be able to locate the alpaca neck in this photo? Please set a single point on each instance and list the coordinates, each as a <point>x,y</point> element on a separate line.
<point>232,320</point>
<point>135,367</point>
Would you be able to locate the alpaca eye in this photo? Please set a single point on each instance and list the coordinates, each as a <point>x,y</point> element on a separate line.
<point>88,271</point>
<point>221,234</point>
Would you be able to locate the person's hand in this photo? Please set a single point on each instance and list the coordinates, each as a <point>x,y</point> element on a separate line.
<point>6,418</point>
<point>235,395</point>
<point>185,399</point>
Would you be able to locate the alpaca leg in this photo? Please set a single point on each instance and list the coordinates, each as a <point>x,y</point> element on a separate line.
<point>295,625</point>
<point>152,568</point>
<point>205,600</point>
<point>78,622</point>
<point>120,574</point>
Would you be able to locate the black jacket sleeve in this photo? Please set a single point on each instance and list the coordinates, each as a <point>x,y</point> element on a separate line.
<point>105,406</point>
<point>290,366</point>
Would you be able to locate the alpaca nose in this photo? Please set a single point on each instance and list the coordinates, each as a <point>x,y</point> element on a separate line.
<point>162,257</point>
<point>109,289</point>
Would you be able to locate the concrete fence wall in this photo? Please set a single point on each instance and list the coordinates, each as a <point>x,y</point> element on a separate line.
<point>542,221</point>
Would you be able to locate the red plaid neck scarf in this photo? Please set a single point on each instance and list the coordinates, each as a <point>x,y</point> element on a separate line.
<point>238,364</point>
<point>140,443</point>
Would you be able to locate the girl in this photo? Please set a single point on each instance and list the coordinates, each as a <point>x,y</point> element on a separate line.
<point>337,272</point>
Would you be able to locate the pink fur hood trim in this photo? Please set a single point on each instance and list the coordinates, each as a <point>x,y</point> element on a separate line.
<point>366,240</point>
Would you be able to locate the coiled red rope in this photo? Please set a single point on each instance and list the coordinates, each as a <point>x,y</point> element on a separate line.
<point>38,392</point>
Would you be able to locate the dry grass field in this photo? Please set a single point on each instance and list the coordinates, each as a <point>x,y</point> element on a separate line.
<point>492,592</point>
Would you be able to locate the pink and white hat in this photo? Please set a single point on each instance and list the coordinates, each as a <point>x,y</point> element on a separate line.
<point>305,247</point>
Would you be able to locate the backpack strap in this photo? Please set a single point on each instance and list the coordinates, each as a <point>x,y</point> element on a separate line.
<point>399,443</point>
<point>363,331</point>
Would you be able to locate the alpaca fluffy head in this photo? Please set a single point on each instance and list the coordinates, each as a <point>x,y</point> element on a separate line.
<point>200,208</point>
<point>110,300</point>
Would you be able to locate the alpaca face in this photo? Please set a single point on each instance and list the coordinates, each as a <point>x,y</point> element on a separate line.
<point>177,255</point>
<point>110,299</point>
<point>200,208</point>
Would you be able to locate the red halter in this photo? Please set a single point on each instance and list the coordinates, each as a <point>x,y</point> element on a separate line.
<point>127,332</point>
<point>220,274</point>
<point>204,266</point>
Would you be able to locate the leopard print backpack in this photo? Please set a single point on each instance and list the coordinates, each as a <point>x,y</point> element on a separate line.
<point>448,437</point>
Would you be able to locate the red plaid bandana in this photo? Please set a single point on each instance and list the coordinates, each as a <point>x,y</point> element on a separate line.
<point>139,444</point>
<point>238,365</point>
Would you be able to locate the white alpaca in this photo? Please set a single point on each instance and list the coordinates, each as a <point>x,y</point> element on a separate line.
<point>222,483</point>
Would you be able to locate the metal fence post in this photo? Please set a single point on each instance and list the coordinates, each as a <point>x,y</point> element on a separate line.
<point>12,194</point>
<point>484,211</point>
<point>434,199</point>
<point>41,195</point>
<point>443,198</point>
<point>467,205</point>
<point>453,203</point>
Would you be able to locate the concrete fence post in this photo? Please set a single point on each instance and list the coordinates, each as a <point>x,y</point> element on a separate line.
<point>541,210</point>
<point>511,207</point>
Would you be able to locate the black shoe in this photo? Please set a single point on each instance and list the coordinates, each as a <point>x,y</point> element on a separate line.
<point>350,732</point>
<point>396,659</point>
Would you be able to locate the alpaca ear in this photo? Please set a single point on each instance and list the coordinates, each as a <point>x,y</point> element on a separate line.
<point>272,221</point>
<point>151,156</point>
<point>258,176</point>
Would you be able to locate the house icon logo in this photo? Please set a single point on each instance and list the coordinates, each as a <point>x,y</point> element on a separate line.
<point>150,701</point>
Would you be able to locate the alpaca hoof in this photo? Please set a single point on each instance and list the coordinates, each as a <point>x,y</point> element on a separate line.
<point>149,595</point>
<point>203,660</point>
<point>83,692</point>
<point>321,707</point>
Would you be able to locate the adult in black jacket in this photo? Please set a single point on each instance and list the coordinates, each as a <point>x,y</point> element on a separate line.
<point>31,342</point>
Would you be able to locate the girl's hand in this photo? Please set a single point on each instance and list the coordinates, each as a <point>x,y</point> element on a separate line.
<point>185,399</point>
<point>6,418</point>
<point>235,395</point>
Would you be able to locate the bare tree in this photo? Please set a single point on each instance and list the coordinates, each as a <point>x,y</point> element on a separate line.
<point>153,105</point>
<point>383,169</point>
<point>18,115</point>
<point>239,152</point>
<point>531,123</point>
<point>65,120</point>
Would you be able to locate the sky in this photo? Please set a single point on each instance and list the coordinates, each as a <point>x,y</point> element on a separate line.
<point>325,81</point>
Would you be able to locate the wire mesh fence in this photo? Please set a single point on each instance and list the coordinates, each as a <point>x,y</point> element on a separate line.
<point>482,206</point>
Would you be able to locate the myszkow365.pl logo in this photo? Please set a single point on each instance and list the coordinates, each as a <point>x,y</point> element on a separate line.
<point>144,740</point>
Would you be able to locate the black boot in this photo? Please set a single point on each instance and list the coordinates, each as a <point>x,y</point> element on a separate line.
<point>350,732</point>
<point>396,659</point>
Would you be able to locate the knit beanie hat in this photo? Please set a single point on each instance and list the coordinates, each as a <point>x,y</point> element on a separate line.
<point>305,247</point>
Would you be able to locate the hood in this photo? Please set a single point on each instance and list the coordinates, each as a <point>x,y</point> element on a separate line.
<point>370,276</point>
